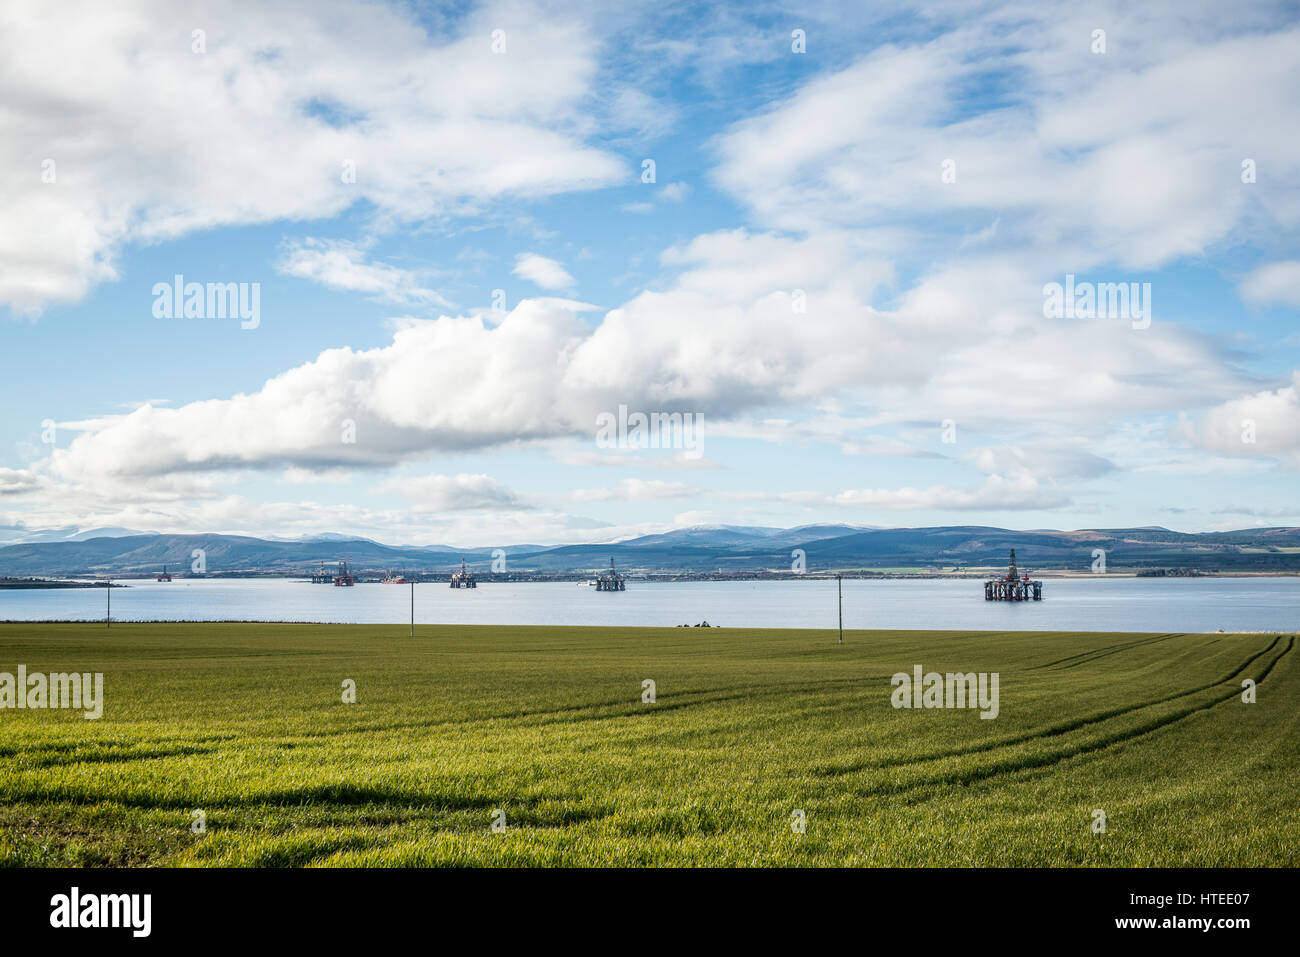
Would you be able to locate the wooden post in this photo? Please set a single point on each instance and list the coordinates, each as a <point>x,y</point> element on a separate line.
<point>839,581</point>
<point>412,607</point>
<point>108,615</point>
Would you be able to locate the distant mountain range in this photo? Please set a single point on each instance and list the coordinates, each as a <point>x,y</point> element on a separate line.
<point>699,550</point>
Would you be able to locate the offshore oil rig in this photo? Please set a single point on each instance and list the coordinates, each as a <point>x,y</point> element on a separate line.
<point>345,578</point>
<point>341,576</point>
<point>463,578</point>
<point>165,575</point>
<point>1016,586</point>
<point>611,580</point>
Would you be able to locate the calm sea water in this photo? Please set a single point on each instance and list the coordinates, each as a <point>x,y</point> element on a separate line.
<point>1080,604</point>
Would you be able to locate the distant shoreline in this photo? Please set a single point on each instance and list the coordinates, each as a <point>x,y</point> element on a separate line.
<point>14,584</point>
<point>119,581</point>
<point>401,626</point>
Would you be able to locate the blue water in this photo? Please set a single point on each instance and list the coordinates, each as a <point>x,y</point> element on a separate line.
<point>1076,604</point>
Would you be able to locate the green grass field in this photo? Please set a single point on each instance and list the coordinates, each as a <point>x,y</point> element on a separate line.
<point>247,724</point>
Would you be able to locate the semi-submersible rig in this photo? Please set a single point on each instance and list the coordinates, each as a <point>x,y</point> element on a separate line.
<point>1015,586</point>
<point>611,580</point>
<point>463,578</point>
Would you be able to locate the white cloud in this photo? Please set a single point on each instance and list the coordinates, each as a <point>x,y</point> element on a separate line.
<point>441,493</point>
<point>297,476</point>
<point>1133,157</point>
<point>1291,512</point>
<point>1070,163</point>
<point>345,266</point>
<point>1040,463</point>
<point>636,490</point>
<point>722,340</point>
<point>544,272</point>
<point>669,193</point>
<point>1019,492</point>
<point>1265,423</point>
<point>240,515</point>
<point>1277,282</point>
<point>638,115</point>
<point>996,492</point>
<point>674,192</point>
<point>570,454</point>
<point>17,481</point>
<point>444,384</point>
<point>288,96</point>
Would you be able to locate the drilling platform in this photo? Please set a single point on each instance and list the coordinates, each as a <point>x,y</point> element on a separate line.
<point>463,578</point>
<point>611,580</point>
<point>345,578</point>
<point>1014,586</point>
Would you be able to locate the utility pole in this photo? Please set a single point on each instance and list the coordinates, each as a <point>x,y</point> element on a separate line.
<point>839,582</point>
<point>108,614</point>
<point>412,607</point>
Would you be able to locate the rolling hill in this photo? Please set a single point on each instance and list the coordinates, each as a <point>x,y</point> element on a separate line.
<point>727,550</point>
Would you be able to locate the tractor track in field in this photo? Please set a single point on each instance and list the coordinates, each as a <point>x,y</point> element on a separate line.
<point>590,711</point>
<point>1030,762</point>
<point>1115,651</point>
<point>1057,729</point>
<point>1102,652</point>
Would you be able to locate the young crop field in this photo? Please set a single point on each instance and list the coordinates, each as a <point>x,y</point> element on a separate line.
<point>232,745</point>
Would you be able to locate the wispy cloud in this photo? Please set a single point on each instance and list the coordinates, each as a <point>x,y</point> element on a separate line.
<point>440,493</point>
<point>636,490</point>
<point>1277,282</point>
<point>542,271</point>
<point>346,267</point>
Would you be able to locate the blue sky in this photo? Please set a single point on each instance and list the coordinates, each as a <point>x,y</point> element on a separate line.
<point>842,250</point>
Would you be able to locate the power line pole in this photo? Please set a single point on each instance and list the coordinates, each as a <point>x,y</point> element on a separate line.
<point>839,581</point>
<point>108,614</point>
<point>412,607</point>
